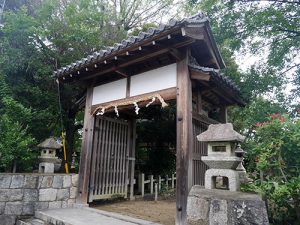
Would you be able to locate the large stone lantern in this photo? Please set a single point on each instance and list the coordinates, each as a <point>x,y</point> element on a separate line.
<point>224,156</point>
<point>48,160</point>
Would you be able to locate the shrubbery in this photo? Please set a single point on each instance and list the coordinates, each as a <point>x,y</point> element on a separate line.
<point>274,161</point>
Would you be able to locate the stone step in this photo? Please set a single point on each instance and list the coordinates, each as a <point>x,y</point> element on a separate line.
<point>31,221</point>
<point>86,216</point>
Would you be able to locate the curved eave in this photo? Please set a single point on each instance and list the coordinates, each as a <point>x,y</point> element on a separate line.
<point>132,43</point>
<point>225,84</point>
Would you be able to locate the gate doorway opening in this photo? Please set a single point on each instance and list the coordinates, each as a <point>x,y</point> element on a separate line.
<point>124,147</point>
<point>128,145</point>
<point>156,141</point>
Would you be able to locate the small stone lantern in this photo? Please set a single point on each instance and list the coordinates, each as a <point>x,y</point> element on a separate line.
<point>48,160</point>
<point>224,156</point>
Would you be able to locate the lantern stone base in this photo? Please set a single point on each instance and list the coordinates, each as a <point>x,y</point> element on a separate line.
<point>232,175</point>
<point>209,207</point>
<point>45,167</point>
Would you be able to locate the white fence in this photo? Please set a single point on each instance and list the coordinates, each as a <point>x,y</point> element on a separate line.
<point>169,182</point>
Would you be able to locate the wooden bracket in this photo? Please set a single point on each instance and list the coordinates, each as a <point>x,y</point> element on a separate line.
<point>197,75</point>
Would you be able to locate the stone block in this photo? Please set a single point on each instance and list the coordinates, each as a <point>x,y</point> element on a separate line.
<point>5,181</point>
<point>197,210</point>
<point>47,194</point>
<point>232,175</point>
<point>57,181</point>
<point>55,205</point>
<point>30,195</point>
<point>31,181</point>
<point>64,204</point>
<point>225,208</point>
<point>218,212</point>
<point>28,208</point>
<point>247,212</point>
<point>46,181</point>
<point>13,208</point>
<point>71,203</point>
<point>4,195</point>
<point>75,180</point>
<point>7,220</point>
<point>41,205</point>
<point>73,192</point>
<point>15,195</point>
<point>17,181</point>
<point>63,194</point>
<point>67,181</point>
<point>2,207</point>
<point>46,167</point>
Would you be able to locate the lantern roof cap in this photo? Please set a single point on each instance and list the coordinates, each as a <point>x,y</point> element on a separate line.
<point>50,143</point>
<point>220,132</point>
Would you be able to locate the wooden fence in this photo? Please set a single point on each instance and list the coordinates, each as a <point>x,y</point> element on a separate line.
<point>142,183</point>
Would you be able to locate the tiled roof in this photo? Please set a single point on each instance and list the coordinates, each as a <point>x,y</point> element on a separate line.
<point>216,75</point>
<point>130,42</point>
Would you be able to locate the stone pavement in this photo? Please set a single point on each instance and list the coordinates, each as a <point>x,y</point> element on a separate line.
<point>87,216</point>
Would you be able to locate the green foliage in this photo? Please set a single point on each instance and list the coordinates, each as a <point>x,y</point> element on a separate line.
<point>15,145</point>
<point>257,110</point>
<point>15,141</point>
<point>274,152</point>
<point>40,36</point>
<point>267,30</point>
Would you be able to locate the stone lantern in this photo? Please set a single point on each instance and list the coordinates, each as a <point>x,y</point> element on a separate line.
<point>224,156</point>
<point>48,160</point>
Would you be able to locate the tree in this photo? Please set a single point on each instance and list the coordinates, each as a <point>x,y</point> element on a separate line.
<point>39,37</point>
<point>15,142</point>
<point>267,29</point>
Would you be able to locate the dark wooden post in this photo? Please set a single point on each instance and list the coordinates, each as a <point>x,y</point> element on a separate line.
<point>184,139</point>
<point>86,150</point>
<point>132,157</point>
<point>223,114</point>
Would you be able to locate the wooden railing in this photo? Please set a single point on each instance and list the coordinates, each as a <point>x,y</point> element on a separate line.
<point>169,182</point>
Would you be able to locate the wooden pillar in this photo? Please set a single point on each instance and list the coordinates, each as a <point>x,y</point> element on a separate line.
<point>223,114</point>
<point>184,139</point>
<point>132,157</point>
<point>86,150</point>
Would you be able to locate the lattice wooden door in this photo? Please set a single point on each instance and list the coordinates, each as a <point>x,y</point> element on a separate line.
<point>200,149</point>
<point>110,158</point>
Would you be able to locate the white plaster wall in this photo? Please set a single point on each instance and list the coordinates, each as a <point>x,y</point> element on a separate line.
<point>109,92</point>
<point>153,80</point>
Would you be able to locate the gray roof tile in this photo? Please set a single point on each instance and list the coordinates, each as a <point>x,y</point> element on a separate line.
<point>132,40</point>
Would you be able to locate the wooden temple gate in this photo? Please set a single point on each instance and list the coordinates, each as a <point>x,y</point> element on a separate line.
<point>112,154</point>
<point>177,61</point>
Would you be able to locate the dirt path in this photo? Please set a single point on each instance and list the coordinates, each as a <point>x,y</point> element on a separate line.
<point>162,212</point>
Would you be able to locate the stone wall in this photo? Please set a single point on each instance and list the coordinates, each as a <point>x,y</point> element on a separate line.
<point>22,194</point>
<point>222,207</point>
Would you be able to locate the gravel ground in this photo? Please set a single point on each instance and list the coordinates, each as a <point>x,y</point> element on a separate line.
<point>162,211</point>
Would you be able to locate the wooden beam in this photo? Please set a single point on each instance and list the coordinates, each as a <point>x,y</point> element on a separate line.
<point>176,54</point>
<point>122,72</point>
<point>199,101</point>
<point>132,156</point>
<point>128,87</point>
<point>86,151</point>
<point>197,75</point>
<point>223,114</point>
<point>166,94</point>
<point>211,50</point>
<point>184,139</point>
<point>140,58</point>
<point>193,32</point>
